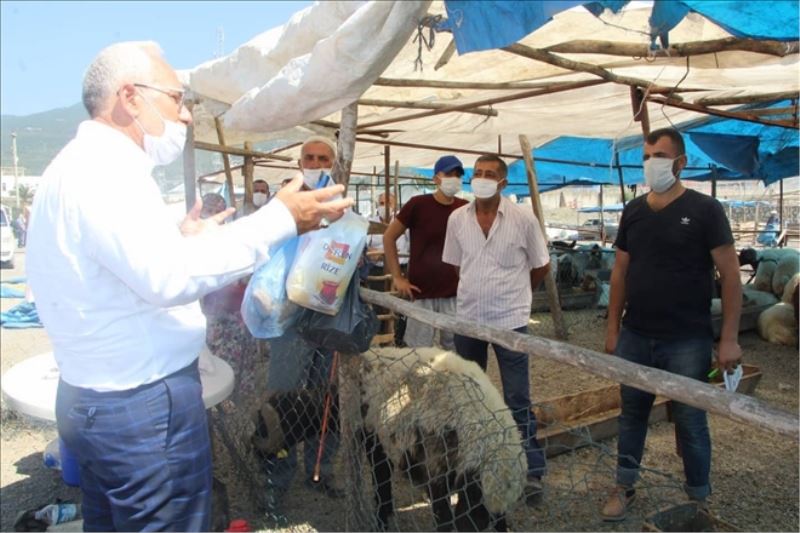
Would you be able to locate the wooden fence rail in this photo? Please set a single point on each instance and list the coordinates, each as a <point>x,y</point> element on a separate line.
<point>738,407</point>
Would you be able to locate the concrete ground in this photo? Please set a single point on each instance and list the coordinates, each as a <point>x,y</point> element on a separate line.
<point>25,483</point>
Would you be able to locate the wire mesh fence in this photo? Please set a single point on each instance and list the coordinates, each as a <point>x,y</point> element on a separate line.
<point>424,445</point>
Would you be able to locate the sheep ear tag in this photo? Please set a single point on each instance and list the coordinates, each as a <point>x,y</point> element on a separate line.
<point>282,454</point>
<point>732,378</point>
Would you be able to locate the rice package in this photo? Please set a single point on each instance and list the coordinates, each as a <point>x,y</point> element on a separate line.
<point>325,262</point>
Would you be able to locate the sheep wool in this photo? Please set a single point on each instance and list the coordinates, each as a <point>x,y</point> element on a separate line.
<point>778,325</point>
<point>430,390</point>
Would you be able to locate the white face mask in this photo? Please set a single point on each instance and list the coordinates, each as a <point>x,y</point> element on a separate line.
<point>450,186</point>
<point>311,176</point>
<point>259,198</point>
<point>483,187</point>
<point>165,149</point>
<point>658,174</point>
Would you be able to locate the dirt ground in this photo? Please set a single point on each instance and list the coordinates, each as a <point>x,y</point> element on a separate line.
<point>754,473</point>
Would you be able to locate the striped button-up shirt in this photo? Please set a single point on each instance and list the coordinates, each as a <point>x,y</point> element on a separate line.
<point>494,286</point>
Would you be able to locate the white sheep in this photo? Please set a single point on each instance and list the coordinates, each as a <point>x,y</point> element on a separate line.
<point>786,268</point>
<point>438,419</point>
<point>778,324</point>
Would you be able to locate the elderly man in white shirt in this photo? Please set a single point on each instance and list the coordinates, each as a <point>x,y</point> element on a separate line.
<point>117,287</point>
<point>502,257</point>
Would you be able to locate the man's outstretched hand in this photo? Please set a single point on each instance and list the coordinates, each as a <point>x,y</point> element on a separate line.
<point>309,208</point>
<point>192,224</point>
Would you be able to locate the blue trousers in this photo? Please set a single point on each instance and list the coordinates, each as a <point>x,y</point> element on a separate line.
<point>144,454</point>
<point>687,357</point>
<point>295,364</point>
<point>516,391</point>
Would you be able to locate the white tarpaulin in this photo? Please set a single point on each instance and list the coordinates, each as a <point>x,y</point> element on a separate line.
<point>321,61</point>
<point>284,79</point>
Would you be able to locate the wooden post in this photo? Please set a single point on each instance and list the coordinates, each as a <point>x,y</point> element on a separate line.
<point>621,179</point>
<point>189,183</point>
<point>351,423</point>
<point>346,146</point>
<point>549,281</point>
<point>602,218</point>
<point>713,181</point>
<point>226,162</point>
<point>751,411</point>
<point>387,183</point>
<point>640,113</point>
<point>780,206</point>
<point>248,171</point>
<point>396,185</point>
<point>755,223</point>
<point>374,185</point>
<point>349,397</point>
<point>499,144</point>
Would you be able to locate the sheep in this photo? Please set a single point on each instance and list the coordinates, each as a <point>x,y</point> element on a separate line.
<point>778,325</point>
<point>787,266</point>
<point>435,417</point>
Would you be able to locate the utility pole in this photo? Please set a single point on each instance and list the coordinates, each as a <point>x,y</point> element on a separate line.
<point>15,162</point>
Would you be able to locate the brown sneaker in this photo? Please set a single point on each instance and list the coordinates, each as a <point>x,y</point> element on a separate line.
<point>616,507</point>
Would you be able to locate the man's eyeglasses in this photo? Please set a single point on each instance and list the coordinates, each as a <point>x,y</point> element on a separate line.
<point>176,94</point>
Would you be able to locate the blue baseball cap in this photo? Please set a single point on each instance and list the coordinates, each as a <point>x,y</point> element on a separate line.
<point>448,163</point>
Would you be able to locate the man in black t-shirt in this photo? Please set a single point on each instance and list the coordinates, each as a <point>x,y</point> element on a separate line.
<point>668,244</point>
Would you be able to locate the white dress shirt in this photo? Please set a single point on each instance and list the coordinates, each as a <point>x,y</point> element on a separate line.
<point>116,284</point>
<point>494,286</point>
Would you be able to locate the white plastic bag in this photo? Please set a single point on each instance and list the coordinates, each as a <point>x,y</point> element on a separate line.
<point>325,262</point>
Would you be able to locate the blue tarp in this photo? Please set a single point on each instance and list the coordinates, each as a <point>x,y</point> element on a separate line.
<point>492,24</point>
<point>724,149</point>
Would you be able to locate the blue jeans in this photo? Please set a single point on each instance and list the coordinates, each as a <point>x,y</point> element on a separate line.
<point>295,364</point>
<point>686,357</point>
<point>516,391</point>
<point>144,454</point>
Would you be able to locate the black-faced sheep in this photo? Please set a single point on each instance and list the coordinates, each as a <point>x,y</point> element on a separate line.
<point>436,418</point>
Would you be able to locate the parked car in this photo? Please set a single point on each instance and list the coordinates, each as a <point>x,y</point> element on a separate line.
<point>590,230</point>
<point>8,242</point>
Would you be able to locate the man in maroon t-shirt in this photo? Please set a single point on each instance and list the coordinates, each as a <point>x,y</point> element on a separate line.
<point>431,283</point>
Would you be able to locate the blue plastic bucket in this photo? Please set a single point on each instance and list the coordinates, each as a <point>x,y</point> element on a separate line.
<point>70,469</point>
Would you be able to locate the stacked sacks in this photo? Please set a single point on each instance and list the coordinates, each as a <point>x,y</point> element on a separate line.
<point>776,267</point>
<point>778,324</point>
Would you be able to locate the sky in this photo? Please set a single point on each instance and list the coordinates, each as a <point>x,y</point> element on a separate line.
<point>45,47</point>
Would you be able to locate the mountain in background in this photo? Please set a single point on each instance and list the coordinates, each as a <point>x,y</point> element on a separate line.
<point>41,136</point>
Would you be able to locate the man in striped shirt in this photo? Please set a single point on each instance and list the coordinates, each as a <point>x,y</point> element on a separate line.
<point>502,257</point>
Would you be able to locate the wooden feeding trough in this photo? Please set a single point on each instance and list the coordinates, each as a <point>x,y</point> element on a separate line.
<point>575,420</point>
<point>685,517</point>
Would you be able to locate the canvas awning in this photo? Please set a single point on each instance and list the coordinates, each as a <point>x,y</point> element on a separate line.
<point>288,83</point>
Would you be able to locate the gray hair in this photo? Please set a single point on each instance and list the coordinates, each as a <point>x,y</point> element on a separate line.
<point>320,139</point>
<point>115,65</point>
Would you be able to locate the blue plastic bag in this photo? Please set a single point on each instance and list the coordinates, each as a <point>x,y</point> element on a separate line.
<point>266,310</point>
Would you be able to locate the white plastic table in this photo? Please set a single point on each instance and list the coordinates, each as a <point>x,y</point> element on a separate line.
<point>29,387</point>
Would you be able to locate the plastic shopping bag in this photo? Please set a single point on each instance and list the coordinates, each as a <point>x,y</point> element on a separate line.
<point>266,310</point>
<point>325,262</point>
<point>350,331</point>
